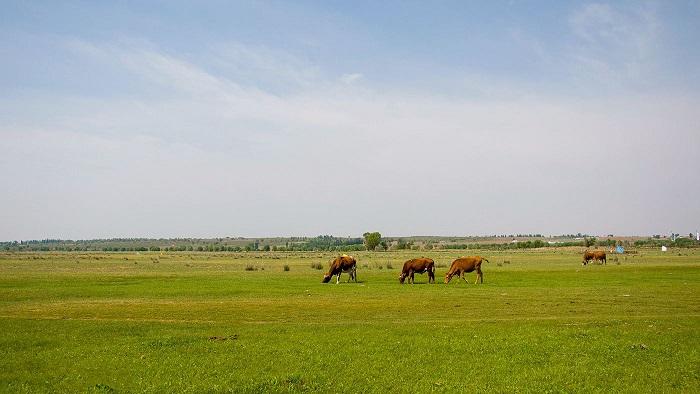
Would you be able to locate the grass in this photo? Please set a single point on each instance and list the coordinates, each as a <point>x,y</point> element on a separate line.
<point>94,322</point>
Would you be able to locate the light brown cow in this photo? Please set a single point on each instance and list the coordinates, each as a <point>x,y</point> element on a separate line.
<point>464,265</point>
<point>596,255</point>
<point>420,266</point>
<point>342,264</point>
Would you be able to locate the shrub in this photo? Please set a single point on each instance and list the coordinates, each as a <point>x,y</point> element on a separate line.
<point>389,266</point>
<point>317,266</point>
<point>286,267</point>
<point>251,267</point>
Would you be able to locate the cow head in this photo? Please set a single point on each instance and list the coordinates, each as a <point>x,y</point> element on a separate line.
<point>326,278</point>
<point>447,278</point>
<point>402,278</point>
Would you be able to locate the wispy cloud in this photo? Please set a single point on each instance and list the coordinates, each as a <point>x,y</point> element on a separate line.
<point>209,155</point>
<point>615,42</point>
<point>349,79</point>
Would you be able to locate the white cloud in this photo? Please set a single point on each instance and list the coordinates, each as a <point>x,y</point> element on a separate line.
<point>349,79</point>
<point>210,156</point>
<point>615,43</point>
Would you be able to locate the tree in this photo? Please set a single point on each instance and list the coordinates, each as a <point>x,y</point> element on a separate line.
<point>372,240</point>
<point>589,241</point>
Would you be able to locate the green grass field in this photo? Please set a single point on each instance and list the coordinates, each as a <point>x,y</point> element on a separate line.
<point>201,322</point>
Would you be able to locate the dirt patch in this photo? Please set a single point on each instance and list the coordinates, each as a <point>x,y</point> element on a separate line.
<point>232,337</point>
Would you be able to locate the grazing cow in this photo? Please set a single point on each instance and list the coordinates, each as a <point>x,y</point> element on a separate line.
<point>342,264</point>
<point>466,264</point>
<point>596,255</point>
<point>421,265</point>
<point>600,255</point>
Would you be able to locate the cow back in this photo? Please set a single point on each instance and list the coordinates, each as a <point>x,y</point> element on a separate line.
<point>418,265</point>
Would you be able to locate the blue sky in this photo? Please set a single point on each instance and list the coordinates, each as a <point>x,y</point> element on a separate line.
<point>275,118</point>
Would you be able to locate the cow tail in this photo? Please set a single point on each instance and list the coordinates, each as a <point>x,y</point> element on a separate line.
<point>487,261</point>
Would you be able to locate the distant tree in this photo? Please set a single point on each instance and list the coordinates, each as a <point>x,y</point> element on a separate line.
<point>384,245</point>
<point>589,241</point>
<point>266,248</point>
<point>401,244</point>
<point>683,242</point>
<point>372,240</point>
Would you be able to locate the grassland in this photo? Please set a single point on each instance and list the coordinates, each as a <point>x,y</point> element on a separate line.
<point>201,322</point>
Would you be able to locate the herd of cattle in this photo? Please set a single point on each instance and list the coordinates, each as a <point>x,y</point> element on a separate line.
<point>348,264</point>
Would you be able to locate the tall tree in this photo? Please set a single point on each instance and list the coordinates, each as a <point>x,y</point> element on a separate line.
<point>372,240</point>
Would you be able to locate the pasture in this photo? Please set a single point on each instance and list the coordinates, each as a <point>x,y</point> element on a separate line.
<point>240,322</point>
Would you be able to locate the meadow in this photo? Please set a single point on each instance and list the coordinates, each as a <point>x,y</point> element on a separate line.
<point>242,322</point>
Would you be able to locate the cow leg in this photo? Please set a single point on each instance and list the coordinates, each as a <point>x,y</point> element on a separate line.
<point>431,276</point>
<point>461,275</point>
<point>413,277</point>
<point>479,276</point>
<point>337,279</point>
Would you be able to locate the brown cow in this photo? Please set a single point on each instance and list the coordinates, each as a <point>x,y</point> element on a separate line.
<point>596,255</point>
<point>600,255</point>
<point>466,264</point>
<point>421,265</point>
<point>342,264</point>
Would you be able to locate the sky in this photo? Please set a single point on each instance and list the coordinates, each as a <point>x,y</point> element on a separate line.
<point>265,118</point>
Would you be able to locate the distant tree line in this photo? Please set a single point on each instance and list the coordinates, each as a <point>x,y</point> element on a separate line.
<point>678,242</point>
<point>369,241</point>
<point>320,243</point>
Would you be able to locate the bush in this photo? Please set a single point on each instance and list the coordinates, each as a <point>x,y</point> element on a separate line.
<point>286,267</point>
<point>251,267</point>
<point>317,266</point>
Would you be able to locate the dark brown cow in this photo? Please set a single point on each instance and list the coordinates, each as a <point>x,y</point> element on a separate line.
<point>342,264</point>
<point>596,255</point>
<point>420,266</point>
<point>466,264</point>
